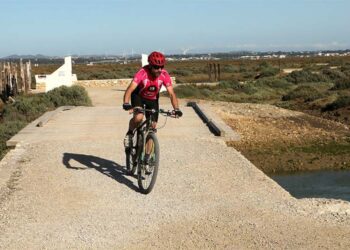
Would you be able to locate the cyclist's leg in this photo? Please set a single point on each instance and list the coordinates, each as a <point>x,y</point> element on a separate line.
<point>151,105</point>
<point>134,121</point>
<point>136,102</point>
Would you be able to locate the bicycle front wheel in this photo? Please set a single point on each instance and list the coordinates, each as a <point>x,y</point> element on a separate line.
<point>147,175</point>
<point>130,161</point>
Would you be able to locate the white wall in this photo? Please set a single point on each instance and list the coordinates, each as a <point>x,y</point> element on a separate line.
<point>144,60</point>
<point>62,76</point>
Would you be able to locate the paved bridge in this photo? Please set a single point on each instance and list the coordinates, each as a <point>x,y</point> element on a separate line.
<point>63,187</point>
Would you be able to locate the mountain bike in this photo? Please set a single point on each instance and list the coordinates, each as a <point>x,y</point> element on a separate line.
<point>144,141</point>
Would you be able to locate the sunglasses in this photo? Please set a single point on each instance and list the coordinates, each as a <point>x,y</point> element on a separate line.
<point>157,67</point>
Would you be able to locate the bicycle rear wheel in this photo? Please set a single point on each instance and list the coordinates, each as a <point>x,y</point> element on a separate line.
<point>147,177</point>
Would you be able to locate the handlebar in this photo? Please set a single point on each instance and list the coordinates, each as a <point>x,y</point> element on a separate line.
<point>153,111</point>
<point>166,112</point>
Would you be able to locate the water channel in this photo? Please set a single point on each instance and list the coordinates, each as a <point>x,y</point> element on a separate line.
<point>316,184</point>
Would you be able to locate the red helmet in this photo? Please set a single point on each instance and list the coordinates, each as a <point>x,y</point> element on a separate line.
<point>156,58</point>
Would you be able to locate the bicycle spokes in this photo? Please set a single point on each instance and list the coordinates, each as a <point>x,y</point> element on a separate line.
<point>148,170</point>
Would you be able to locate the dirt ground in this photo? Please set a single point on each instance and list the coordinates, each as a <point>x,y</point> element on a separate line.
<point>278,140</point>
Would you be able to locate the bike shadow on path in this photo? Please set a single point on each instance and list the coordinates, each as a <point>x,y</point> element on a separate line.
<point>106,167</point>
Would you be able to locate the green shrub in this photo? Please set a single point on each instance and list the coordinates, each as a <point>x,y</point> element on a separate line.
<point>26,108</point>
<point>340,102</point>
<point>229,85</point>
<point>346,69</point>
<point>181,72</point>
<point>333,75</point>
<point>248,74</point>
<point>263,65</point>
<point>7,130</point>
<point>206,92</point>
<point>304,76</point>
<point>200,70</point>
<point>269,71</point>
<point>32,106</point>
<point>227,68</point>
<point>75,96</point>
<point>98,76</point>
<point>247,88</point>
<point>341,84</point>
<point>274,83</point>
<point>306,93</point>
<point>242,69</point>
<point>187,91</point>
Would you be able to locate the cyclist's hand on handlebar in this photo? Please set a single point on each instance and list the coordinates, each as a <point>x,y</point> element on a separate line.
<point>127,106</point>
<point>177,113</point>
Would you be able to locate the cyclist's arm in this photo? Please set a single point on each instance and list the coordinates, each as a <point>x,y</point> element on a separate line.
<point>129,90</point>
<point>173,98</point>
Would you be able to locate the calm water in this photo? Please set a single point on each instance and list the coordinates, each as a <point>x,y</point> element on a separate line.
<point>319,184</point>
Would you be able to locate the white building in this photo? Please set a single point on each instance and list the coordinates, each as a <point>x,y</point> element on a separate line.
<point>62,76</point>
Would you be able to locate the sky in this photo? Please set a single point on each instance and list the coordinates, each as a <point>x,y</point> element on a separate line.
<point>85,27</point>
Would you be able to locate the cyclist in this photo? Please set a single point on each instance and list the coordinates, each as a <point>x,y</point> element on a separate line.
<point>144,90</point>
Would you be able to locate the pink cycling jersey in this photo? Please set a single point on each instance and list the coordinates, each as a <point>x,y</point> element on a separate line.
<point>150,86</point>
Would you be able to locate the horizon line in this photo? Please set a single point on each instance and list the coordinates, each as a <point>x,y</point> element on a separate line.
<point>179,53</point>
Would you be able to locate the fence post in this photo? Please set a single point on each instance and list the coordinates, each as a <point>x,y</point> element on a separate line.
<point>219,78</point>
<point>215,73</point>
<point>22,75</point>
<point>209,71</point>
<point>29,76</point>
<point>25,78</point>
<point>6,87</point>
<point>1,80</point>
<point>13,79</point>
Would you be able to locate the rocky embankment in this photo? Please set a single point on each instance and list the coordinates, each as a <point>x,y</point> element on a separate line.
<point>277,140</point>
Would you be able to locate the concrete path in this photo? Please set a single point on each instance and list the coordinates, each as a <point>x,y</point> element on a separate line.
<point>66,190</point>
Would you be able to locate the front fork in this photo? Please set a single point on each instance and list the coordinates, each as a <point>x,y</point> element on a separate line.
<point>141,141</point>
<point>142,146</point>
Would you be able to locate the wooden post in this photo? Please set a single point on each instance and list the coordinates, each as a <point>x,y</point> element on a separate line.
<point>9,78</point>
<point>7,86</point>
<point>22,75</point>
<point>1,80</point>
<point>13,82</point>
<point>219,78</point>
<point>29,76</point>
<point>215,73</point>
<point>26,83</point>
<point>210,72</point>
<point>16,80</point>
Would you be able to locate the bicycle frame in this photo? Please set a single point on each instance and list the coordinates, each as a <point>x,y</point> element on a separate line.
<point>146,143</point>
<point>141,132</point>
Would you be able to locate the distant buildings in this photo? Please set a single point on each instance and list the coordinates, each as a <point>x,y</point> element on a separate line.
<point>126,59</point>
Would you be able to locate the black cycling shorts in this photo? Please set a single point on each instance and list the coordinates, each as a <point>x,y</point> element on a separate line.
<point>138,101</point>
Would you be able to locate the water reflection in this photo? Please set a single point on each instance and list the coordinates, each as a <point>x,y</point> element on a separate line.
<point>319,184</point>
